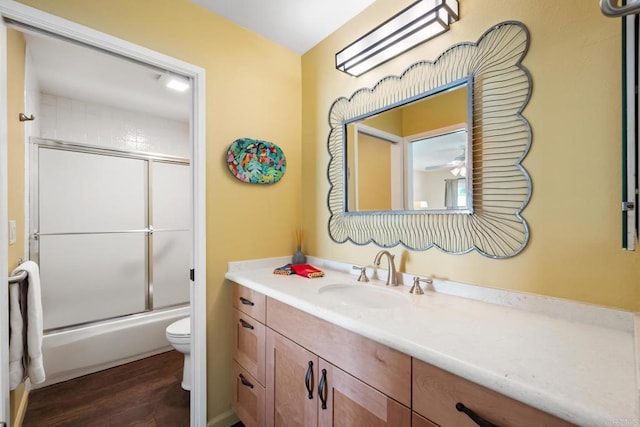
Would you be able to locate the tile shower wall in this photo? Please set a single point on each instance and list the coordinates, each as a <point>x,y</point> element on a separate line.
<point>72,120</point>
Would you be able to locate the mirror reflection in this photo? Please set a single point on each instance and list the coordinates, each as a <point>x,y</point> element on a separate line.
<point>416,156</point>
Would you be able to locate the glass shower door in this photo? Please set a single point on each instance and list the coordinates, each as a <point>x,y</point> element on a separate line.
<point>91,236</point>
<point>171,223</point>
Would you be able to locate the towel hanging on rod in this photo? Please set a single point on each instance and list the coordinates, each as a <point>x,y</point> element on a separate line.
<point>34,368</point>
<point>18,277</point>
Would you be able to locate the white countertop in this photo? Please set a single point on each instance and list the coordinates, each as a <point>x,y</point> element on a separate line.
<point>571,360</point>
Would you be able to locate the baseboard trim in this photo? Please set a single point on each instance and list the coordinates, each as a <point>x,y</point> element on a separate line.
<point>225,419</point>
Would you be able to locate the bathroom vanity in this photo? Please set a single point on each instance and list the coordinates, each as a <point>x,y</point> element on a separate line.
<point>311,351</point>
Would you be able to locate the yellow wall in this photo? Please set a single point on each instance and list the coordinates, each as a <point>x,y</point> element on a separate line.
<point>389,121</point>
<point>374,174</point>
<point>439,111</point>
<point>15,163</point>
<point>253,90</point>
<point>15,148</point>
<point>574,214</point>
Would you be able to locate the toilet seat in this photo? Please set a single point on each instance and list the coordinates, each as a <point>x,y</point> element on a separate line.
<point>180,328</point>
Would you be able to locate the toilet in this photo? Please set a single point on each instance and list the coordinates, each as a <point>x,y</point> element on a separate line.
<point>179,336</point>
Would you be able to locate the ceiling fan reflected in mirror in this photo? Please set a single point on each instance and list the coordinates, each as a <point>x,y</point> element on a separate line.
<point>457,166</point>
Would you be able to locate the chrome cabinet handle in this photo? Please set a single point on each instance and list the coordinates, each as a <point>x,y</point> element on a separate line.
<point>322,389</point>
<point>244,381</point>
<point>246,324</point>
<point>475,417</point>
<point>245,301</point>
<point>307,380</point>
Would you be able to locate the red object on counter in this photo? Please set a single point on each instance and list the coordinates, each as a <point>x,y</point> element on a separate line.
<point>307,270</point>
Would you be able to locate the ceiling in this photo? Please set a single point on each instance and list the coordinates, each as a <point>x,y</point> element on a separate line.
<point>79,72</point>
<point>297,25</point>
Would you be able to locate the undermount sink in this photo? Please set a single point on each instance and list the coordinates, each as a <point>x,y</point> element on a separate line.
<point>363,295</point>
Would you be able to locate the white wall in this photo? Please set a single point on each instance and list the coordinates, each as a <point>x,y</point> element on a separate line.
<point>72,120</point>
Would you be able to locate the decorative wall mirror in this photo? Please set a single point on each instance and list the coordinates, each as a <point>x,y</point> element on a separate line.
<point>433,157</point>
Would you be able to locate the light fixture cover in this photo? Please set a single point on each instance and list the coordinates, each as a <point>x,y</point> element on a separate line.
<point>171,81</point>
<point>178,84</point>
<point>416,24</point>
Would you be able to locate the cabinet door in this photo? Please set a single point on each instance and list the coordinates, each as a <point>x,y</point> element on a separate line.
<point>289,369</point>
<point>350,402</point>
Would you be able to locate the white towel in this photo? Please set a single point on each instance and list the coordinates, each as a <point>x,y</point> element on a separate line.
<point>16,345</point>
<point>34,320</point>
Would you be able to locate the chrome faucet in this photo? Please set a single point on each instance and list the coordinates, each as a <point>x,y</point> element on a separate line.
<point>392,277</point>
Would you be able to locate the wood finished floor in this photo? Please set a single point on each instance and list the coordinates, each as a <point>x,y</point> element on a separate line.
<point>142,393</point>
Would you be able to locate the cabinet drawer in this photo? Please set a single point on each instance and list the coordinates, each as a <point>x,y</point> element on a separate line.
<point>436,393</point>
<point>249,345</point>
<point>380,366</point>
<point>418,421</point>
<point>248,398</point>
<point>249,302</point>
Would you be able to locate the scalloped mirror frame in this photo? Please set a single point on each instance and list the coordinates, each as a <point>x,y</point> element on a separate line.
<point>501,138</point>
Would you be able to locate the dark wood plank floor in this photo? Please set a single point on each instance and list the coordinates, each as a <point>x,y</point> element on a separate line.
<point>142,393</point>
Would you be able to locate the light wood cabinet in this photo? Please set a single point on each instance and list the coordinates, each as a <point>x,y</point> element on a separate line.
<point>347,401</point>
<point>248,398</point>
<point>294,369</point>
<point>436,393</point>
<point>249,345</point>
<point>291,383</point>
<point>305,390</point>
<point>249,364</point>
<point>418,421</point>
<point>250,302</point>
<point>382,367</point>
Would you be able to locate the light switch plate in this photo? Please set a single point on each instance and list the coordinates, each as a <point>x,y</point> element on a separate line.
<point>12,231</point>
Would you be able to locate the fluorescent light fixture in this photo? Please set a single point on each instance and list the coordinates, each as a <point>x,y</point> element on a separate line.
<point>173,82</point>
<point>421,21</point>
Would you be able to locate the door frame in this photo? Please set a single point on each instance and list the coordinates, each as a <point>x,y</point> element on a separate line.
<point>58,26</point>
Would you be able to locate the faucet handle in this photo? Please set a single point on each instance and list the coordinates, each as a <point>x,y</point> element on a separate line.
<point>416,288</point>
<point>363,273</point>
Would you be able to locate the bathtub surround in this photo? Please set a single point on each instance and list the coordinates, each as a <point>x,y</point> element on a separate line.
<point>65,354</point>
<point>73,120</point>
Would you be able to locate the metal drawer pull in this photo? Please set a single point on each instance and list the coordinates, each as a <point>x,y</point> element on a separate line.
<point>246,324</point>
<point>307,380</point>
<point>246,301</point>
<point>475,417</point>
<point>244,381</point>
<point>322,390</point>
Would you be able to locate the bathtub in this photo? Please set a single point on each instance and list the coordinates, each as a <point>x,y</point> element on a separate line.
<point>79,351</point>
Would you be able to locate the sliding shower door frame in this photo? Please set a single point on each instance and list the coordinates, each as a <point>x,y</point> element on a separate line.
<point>35,144</point>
